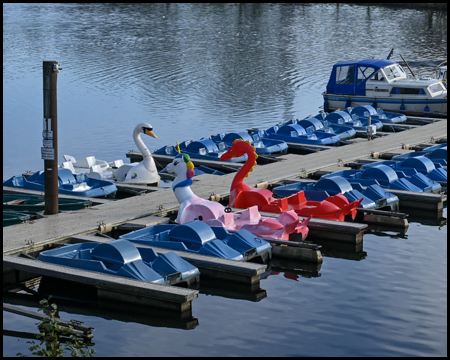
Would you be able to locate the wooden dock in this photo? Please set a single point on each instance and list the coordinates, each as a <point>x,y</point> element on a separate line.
<point>118,215</point>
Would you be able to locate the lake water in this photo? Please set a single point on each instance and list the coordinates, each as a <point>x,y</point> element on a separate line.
<point>192,70</point>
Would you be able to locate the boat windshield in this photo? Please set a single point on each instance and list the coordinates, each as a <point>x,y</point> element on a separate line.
<point>394,72</point>
<point>437,89</point>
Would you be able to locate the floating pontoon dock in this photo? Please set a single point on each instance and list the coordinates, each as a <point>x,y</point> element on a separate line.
<point>153,207</point>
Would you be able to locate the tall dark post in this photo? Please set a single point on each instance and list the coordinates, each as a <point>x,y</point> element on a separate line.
<point>49,151</point>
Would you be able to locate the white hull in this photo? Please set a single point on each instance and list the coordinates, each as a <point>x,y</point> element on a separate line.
<point>416,107</point>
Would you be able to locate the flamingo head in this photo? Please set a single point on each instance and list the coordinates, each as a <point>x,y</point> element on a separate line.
<point>239,148</point>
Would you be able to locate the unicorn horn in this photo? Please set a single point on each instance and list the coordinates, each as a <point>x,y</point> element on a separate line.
<point>178,148</point>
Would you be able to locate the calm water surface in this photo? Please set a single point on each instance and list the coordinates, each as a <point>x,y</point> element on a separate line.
<point>192,70</point>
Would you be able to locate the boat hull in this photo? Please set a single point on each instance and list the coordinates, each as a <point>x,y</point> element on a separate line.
<point>36,203</point>
<point>69,184</point>
<point>12,218</point>
<point>412,107</point>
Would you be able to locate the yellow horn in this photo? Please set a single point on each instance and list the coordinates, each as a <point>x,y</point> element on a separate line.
<point>178,148</point>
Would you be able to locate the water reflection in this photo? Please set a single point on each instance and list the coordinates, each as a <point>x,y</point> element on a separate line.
<point>110,310</point>
<point>232,290</point>
<point>432,218</point>
<point>342,250</point>
<point>292,269</point>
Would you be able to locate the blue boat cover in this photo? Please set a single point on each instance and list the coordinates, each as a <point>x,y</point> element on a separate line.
<point>349,77</point>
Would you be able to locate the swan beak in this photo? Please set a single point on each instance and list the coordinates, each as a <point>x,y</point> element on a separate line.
<point>151,133</point>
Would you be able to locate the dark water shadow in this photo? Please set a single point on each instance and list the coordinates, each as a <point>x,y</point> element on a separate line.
<point>81,299</point>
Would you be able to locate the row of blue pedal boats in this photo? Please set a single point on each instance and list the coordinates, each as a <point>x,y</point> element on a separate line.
<point>417,171</point>
<point>126,257</point>
<point>321,129</point>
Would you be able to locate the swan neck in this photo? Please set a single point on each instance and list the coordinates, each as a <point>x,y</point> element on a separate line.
<point>148,161</point>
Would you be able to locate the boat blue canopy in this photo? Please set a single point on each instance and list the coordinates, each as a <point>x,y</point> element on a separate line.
<point>349,77</point>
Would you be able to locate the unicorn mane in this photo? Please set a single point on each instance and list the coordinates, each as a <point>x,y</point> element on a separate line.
<point>189,173</point>
<point>189,165</point>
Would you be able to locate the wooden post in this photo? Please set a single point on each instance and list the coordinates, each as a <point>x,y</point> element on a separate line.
<point>49,151</point>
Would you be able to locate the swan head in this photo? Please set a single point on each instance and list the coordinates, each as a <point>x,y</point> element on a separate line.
<point>145,128</point>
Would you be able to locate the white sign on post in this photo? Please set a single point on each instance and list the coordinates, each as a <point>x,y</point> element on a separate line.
<point>47,143</point>
<point>47,154</point>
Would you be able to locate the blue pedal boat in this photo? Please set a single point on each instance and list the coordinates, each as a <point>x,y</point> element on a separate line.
<point>295,133</point>
<point>437,154</point>
<point>411,165</point>
<point>263,146</point>
<point>363,112</point>
<point>340,117</point>
<point>388,178</point>
<point>374,196</point>
<point>69,184</point>
<point>344,132</point>
<point>205,149</point>
<point>199,238</point>
<point>123,258</point>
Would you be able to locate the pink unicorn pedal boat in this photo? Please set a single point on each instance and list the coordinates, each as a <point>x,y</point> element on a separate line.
<point>213,213</point>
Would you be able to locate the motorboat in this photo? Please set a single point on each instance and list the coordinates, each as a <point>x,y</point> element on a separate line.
<point>138,173</point>
<point>374,196</point>
<point>344,132</point>
<point>384,84</point>
<point>243,196</point>
<point>193,207</point>
<point>364,111</point>
<point>388,178</point>
<point>204,149</point>
<point>295,133</point>
<point>199,238</point>
<point>36,203</point>
<point>263,146</point>
<point>68,184</point>
<point>123,258</point>
<point>13,218</point>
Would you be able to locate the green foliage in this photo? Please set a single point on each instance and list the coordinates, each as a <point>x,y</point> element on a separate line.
<point>50,333</point>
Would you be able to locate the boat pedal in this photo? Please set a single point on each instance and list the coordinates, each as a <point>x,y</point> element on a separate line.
<point>173,277</point>
<point>250,252</point>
